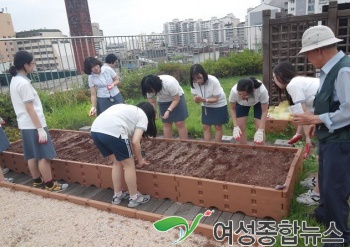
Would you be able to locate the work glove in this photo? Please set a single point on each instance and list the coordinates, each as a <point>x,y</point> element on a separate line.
<point>237,133</point>
<point>259,136</point>
<point>92,111</point>
<point>42,135</point>
<point>297,137</point>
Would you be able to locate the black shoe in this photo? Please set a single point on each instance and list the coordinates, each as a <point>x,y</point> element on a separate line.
<point>335,245</point>
<point>318,218</point>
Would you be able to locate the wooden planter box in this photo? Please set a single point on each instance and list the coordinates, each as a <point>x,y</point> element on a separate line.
<point>277,126</point>
<point>227,196</point>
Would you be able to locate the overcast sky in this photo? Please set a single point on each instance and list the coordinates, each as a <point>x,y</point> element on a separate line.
<point>122,17</point>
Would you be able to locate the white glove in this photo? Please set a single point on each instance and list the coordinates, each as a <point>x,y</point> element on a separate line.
<point>92,111</point>
<point>237,133</point>
<point>259,136</point>
<point>42,135</point>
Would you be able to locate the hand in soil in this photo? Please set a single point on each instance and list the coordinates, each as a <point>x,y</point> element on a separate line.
<point>142,163</point>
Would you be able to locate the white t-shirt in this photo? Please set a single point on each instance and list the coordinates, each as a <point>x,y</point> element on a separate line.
<point>170,88</point>
<point>303,90</point>
<point>120,120</point>
<point>260,95</point>
<point>212,88</point>
<point>100,81</point>
<point>22,92</point>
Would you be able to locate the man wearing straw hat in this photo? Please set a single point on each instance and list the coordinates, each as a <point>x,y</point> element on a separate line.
<point>331,122</point>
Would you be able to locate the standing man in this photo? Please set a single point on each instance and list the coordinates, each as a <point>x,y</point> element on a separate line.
<point>331,121</point>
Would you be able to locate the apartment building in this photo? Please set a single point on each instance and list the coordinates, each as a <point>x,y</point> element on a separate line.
<point>193,33</point>
<point>49,53</point>
<point>7,47</point>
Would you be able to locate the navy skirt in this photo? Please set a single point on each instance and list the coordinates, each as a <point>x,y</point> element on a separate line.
<point>104,103</point>
<point>32,149</point>
<point>178,114</point>
<point>215,116</point>
<point>4,142</point>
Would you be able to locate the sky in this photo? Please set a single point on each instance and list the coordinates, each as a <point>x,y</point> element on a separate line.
<point>121,17</point>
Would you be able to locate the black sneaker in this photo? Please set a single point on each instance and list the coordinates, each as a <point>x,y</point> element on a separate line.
<point>39,185</point>
<point>318,218</point>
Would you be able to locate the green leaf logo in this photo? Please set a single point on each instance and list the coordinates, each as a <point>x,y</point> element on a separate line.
<point>169,223</point>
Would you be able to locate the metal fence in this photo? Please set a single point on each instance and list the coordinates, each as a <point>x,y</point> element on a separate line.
<point>59,60</point>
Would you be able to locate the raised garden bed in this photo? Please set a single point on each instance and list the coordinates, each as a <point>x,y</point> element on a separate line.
<point>278,125</point>
<point>226,176</point>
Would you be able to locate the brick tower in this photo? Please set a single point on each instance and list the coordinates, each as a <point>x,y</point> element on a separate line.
<point>80,25</point>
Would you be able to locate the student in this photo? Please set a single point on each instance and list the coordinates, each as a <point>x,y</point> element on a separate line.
<point>207,90</point>
<point>299,89</point>
<point>246,93</point>
<point>171,102</point>
<point>331,122</point>
<point>103,83</point>
<point>37,146</point>
<point>117,133</point>
<point>4,144</point>
<point>111,60</point>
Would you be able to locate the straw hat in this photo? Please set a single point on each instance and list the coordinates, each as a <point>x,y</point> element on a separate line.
<point>316,37</point>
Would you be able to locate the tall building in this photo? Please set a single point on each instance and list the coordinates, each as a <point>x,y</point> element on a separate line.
<point>7,48</point>
<point>195,32</point>
<point>49,53</point>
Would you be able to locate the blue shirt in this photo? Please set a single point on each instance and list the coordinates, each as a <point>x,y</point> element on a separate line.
<point>341,117</point>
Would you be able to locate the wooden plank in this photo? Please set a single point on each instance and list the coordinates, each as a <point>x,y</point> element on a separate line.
<point>145,205</point>
<point>224,217</point>
<point>172,209</point>
<point>78,190</point>
<point>192,213</point>
<point>213,217</point>
<point>236,218</point>
<point>153,206</point>
<point>183,209</point>
<point>28,181</point>
<point>162,208</point>
<point>106,196</point>
<point>89,192</point>
<point>18,177</point>
<point>73,188</point>
<point>98,194</point>
<point>70,187</point>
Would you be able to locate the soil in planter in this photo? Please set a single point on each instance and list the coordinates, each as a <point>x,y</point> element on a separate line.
<point>219,162</point>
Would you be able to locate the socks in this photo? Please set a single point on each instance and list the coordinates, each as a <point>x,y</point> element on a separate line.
<point>118,194</point>
<point>134,197</point>
<point>49,183</point>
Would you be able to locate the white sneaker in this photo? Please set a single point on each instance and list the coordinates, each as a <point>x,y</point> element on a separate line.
<point>139,200</point>
<point>9,180</point>
<point>309,183</point>
<point>118,199</point>
<point>5,170</point>
<point>309,198</point>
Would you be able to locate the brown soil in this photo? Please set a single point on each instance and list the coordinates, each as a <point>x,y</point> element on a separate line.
<point>220,162</point>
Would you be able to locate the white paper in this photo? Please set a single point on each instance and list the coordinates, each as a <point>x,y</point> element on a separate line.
<point>296,109</point>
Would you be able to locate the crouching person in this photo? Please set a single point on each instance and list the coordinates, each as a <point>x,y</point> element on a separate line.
<point>117,133</point>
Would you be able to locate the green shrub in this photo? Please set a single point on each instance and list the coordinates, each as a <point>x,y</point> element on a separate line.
<point>6,110</point>
<point>180,71</point>
<point>131,81</point>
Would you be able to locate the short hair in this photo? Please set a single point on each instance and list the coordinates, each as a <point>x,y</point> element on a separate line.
<point>111,58</point>
<point>151,116</point>
<point>90,62</point>
<point>197,69</point>
<point>20,59</point>
<point>151,83</point>
<point>248,85</point>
